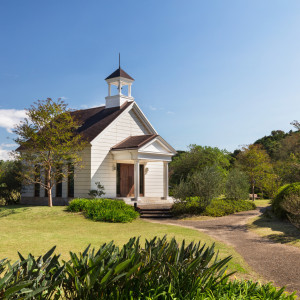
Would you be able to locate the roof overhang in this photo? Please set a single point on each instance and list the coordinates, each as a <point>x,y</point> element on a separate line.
<point>155,150</point>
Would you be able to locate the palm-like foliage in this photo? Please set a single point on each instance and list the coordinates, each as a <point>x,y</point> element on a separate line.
<point>161,269</point>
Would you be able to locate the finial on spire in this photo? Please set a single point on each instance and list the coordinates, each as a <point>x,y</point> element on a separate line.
<point>119,60</point>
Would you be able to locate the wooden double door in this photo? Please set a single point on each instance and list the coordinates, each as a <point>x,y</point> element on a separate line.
<point>125,180</point>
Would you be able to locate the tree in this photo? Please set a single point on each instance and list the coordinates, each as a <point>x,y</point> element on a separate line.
<point>195,160</point>
<point>10,183</point>
<point>255,162</point>
<point>271,142</point>
<point>237,185</point>
<point>205,184</point>
<point>288,156</point>
<point>48,142</point>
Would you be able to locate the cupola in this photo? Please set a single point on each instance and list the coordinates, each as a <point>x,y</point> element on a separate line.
<point>120,79</point>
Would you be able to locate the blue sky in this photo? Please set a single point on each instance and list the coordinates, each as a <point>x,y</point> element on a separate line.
<point>217,73</point>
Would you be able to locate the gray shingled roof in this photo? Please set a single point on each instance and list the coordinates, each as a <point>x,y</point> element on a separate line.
<point>95,120</point>
<point>119,73</point>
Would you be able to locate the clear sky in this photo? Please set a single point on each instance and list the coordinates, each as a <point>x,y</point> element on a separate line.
<point>217,73</point>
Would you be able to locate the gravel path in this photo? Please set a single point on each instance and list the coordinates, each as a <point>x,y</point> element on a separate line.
<point>275,262</point>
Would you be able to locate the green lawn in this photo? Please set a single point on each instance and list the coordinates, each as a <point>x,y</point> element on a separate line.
<point>262,203</point>
<point>271,227</point>
<point>36,229</point>
<point>278,231</point>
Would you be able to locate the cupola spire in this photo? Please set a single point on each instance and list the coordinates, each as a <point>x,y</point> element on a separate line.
<point>118,78</point>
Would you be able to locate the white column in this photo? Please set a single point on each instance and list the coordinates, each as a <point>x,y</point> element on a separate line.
<point>129,90</point>
<point>120,87</point>
<point>166,180</point>
<point>109,89</point>
<point>136,180</point>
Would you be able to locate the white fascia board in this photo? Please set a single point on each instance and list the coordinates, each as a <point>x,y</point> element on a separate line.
<point>112,123</point>
<point>154,157</point>
<point>165,145</point>
<point>143,118</point>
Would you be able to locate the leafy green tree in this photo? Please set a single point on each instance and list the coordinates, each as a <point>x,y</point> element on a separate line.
<point>288,157</point>
<point>48,141</point>
<point>206,184</point>
<point>271,143</point>
<point>10,183</point>
<point>255,162</point>
<point>196,159</point>
<point>237,185</point>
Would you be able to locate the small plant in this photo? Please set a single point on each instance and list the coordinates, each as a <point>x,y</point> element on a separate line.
<point>99,192</point>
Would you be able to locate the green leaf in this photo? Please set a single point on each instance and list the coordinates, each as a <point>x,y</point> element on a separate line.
<point>120,267</point>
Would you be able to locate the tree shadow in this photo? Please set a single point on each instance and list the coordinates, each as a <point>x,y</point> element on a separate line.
<point>8,210</point>
<point>286,232</point>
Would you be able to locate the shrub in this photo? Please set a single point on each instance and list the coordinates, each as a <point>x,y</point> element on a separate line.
<point>206,184</point>
<point>78,205</point>
<point>191,206</point>
<point>10,182</point>
<point>217,207</point>
<point>223,207</point>
<point>237,185</point>
<point>106,210</point>
<point>291,204</point>
<point>160,269</point>
<point>285,191</point>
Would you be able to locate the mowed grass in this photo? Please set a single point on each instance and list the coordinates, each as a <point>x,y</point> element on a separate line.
<point>279,231</point>
<point>32,229</point>
<point>262,203</point>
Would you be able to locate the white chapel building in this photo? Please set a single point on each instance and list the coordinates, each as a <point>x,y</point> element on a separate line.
<point>125,153</point>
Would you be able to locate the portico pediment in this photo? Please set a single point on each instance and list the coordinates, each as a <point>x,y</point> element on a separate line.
<point>143,148</point>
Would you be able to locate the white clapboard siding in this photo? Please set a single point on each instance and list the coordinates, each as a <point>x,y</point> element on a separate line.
<point>154,180</point>
<point>82,179</point>
<point>27,190</point>
<point>102,164</point>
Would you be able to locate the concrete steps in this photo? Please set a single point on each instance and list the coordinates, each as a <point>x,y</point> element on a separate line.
<point>157,213</point>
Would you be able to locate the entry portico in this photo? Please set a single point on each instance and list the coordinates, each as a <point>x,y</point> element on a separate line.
<point>137,152</point>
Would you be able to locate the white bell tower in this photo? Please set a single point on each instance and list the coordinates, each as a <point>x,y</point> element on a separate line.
<point>118,78</point>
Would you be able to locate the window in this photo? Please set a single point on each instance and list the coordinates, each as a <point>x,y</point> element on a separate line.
<point>46,191</point>
<point>59,189</point>
<point>36,190</point>
<point>37,186</point>
<point>70,180</point>
<point>59,183</point>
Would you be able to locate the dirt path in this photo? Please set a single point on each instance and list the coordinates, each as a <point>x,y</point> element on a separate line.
<point>275,262</point>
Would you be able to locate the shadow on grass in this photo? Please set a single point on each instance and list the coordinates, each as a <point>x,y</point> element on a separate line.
<point>8,210</point>
<point>286,232</point>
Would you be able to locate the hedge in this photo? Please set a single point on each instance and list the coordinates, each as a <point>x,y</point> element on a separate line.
<point>106,210</point>
<point>285,191</point>
<point>217,207</point>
